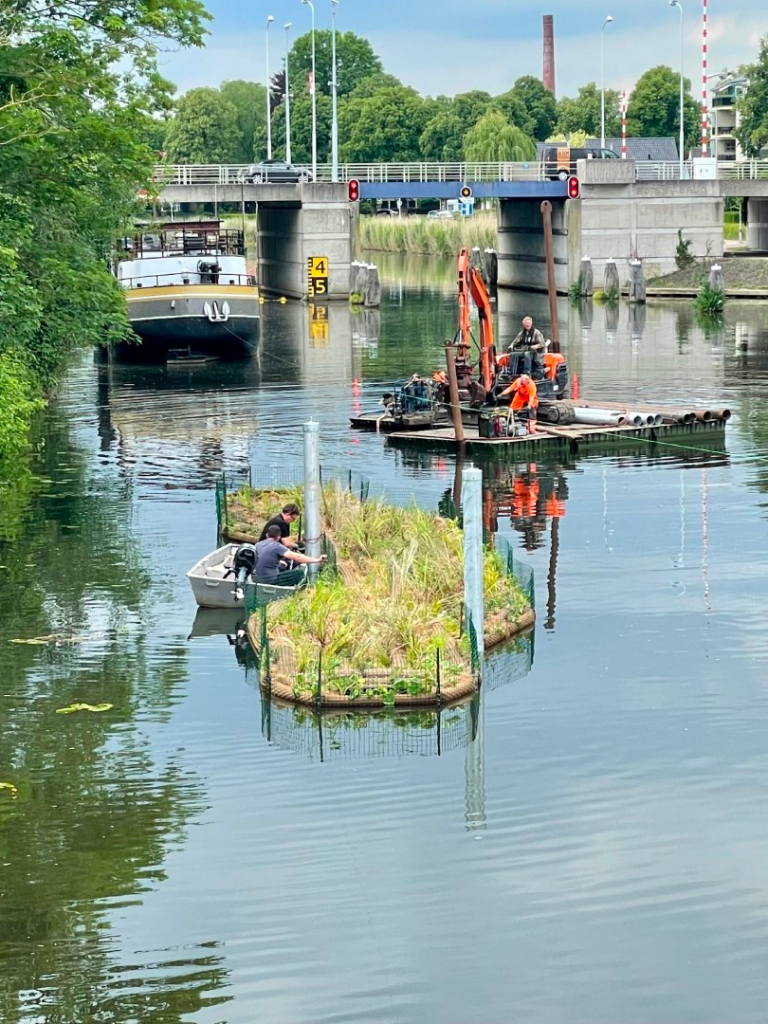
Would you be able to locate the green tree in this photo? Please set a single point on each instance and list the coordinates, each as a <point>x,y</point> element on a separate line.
<point>539,103</point>
<point>654,107</point>
<point>355,61</point>
<point>513,108</point>
<point>493,139</point>
<point>582,113</point>
<point>386,126</point>
<point>443,137</point>
<point>752,133</point>
<point>301,131</point>
<point>205,130</point>
<point>250,101</point>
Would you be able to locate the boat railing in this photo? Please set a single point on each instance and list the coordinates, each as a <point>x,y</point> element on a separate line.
<point>187,277</point>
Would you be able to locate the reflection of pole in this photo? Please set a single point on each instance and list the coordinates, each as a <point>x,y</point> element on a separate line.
<point>472,503</point>
<point>554,550</point>
<point>549,256</point>
<point>705,538</point>
<point>312,488</point>
<point>474,771</point>
<point>453,393</point>
<point>458,477</point>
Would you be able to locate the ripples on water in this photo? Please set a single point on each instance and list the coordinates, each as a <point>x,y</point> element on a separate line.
<point>589,845</point>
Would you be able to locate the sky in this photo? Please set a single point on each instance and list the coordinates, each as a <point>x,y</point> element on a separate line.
<point>450,46</point>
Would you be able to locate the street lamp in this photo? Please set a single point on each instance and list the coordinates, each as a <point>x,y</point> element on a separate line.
<point>334,100</point>
<point>270,19</point>
<point>607,22</point>
<point>311,6</point>
<point>676,3</point>
<point>287,99</point>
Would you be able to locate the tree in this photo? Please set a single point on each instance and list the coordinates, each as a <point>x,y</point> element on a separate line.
<point>583,113</point>
<point>539,104</point>
<point>355,61</point>
<point>205,130</point>
<point>493,139</point>
<point>374,83</point>
<point>513,108</point>
<point>384,127</point>
<point>250,101</point>
<point>752,133</point>
<point>654,107</point>
<point>301,131</point>
<point>443,138</point>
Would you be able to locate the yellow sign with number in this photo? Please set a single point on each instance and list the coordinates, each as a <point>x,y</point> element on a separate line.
<point>318,266</point>
<point>319,328</point>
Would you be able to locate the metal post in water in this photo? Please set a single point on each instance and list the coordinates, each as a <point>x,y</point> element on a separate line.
<point>549,258</point>
<point>472,503</point>
<point>312,526</point>
<point>453,392</point>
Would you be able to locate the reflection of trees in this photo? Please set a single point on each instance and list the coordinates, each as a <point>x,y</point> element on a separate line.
<point>96,813</point>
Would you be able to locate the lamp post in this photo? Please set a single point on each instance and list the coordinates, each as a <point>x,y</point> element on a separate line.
<point>311,6</point>
<point>287,99</point>
<point>676,3</point>
<point>607,22</point>
<point>270,19</point>
<point>334,100</point>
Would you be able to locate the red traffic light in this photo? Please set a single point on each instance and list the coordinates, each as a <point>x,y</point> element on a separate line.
<point>574,190</point>
<point>353,187</point>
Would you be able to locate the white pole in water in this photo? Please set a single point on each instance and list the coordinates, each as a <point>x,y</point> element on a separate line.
<point>312,526</point>
<point>474,601</point>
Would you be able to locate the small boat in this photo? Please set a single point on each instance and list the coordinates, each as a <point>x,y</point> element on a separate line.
<point>223,578</point>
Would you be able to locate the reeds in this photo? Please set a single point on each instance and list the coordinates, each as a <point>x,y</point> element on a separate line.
<point>417,235</point>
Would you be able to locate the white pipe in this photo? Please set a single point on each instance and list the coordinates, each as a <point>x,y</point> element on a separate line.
<point>312,525</point>
<point>474,599</point>
<point>644,419</point>
<point>599,417</point>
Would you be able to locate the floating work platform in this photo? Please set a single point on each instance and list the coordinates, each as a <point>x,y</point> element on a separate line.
<point>683,427</point>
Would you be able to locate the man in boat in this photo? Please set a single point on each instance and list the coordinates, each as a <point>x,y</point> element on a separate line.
<point>283,521</point>
<point>531,342</point>
<point>525,399</point>
<point>272,554</point>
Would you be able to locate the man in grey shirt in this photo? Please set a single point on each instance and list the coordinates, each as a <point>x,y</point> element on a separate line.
<point>272,552</point>
<point>531,341</point>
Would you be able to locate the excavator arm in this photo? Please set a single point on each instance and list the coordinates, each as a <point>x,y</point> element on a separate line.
<point>471,284</point>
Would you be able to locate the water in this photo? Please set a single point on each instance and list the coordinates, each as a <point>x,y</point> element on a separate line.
<point>595,854</point>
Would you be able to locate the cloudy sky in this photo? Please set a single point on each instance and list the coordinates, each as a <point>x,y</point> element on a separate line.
<point>449,46</point>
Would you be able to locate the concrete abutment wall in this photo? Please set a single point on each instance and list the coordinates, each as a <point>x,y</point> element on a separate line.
<point>757,224</point>
<point>521,245</point>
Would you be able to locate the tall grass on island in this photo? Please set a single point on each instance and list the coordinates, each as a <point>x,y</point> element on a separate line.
<point>417,235</point>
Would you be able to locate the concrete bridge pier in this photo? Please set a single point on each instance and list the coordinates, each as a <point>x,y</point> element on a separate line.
<point>521,245</point>
<point>757,224</point>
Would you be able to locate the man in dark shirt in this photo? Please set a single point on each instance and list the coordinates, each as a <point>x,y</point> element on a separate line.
<point>531,341</point>
<point>272,552</point>
<point>283,520</point>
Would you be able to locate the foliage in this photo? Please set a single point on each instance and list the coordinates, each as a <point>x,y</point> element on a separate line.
<point>583,113</point>
<point>250,102</point>
<point>387,126</point>
<point>710,301</point>
<point>540,106</point>
<point>654,107</point>
<point>493,139</point>
<point>355,62</point>
<point>752,131</point>
<point>301,130</point>
<point>205,130</point>
<point>443,138</point>
<point>512,106</point>
<point>684,258</point>
<point>577,140</point>
<point>418,235</point>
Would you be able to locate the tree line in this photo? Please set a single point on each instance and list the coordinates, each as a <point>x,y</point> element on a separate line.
<point>383,120</point>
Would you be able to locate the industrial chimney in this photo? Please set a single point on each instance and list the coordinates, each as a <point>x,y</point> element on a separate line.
<point>549,53</point>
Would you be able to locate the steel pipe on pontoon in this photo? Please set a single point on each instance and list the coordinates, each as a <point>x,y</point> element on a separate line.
<point>721,414</point>
<point>598,417</point>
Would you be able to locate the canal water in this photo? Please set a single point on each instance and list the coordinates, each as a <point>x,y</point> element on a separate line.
<point>589,845</point>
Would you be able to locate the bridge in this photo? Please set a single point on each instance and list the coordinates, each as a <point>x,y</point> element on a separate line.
<point>626,209</point>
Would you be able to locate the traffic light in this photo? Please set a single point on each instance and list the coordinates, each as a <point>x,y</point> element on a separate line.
<point>466,192</point>
<point>354,190</point>
<point>573,188</point>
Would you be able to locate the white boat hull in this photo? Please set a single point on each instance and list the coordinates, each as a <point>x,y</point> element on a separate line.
<point>213,588</point>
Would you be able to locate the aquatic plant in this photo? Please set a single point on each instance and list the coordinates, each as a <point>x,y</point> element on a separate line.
<point>710,301</point>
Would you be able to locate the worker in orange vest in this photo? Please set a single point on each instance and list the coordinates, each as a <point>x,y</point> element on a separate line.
<point>525,399</point>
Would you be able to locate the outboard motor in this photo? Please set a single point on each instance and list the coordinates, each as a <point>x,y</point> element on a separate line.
<point>243,565</point>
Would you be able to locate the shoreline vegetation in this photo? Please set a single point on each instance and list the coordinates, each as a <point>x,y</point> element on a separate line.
<point>419,236</point>
<point>744,276</point>
<point>383,624</point>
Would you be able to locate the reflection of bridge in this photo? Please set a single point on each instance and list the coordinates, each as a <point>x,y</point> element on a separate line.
<point>626,209</point>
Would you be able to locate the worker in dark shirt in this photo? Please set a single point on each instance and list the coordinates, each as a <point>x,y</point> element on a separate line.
<point>283,519</point>
<point>272,552</point>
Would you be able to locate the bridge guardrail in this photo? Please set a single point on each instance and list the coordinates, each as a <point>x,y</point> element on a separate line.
<point>375,173</point>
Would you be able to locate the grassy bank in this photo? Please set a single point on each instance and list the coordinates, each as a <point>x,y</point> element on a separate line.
<point>379,627</point>
<point>741,274</point>
<point>424,237</point>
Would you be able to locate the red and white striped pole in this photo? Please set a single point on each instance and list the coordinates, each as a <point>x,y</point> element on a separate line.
<point>624,125</point>
<point>704,89</point>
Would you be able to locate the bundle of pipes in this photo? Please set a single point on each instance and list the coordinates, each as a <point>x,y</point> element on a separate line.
<point>612,414</point>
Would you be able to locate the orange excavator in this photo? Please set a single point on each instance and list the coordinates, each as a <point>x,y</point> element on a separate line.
<point>496,374</point>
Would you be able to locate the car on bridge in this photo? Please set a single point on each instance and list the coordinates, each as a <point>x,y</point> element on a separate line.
<point>276,172</point>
